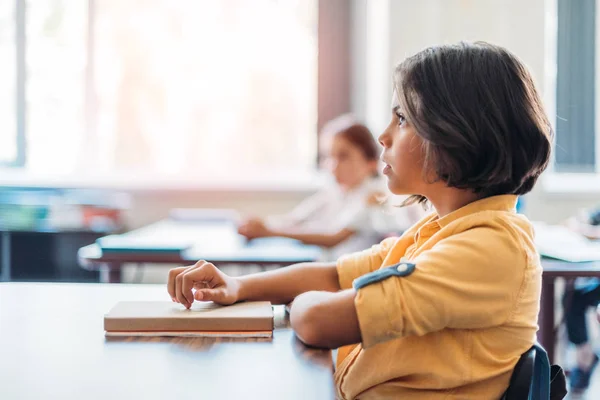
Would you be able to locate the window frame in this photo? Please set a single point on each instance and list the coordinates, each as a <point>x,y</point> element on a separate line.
<point>565,182</point>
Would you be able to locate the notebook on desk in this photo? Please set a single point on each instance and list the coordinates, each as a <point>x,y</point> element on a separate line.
<point>561,243</point>
<point>146,244</point>
<point>165,318</point>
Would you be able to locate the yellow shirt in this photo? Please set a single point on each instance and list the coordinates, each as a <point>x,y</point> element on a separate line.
<point>456,326</point>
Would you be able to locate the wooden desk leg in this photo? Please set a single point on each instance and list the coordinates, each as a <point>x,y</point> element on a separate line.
<point>546,318</point>
<point>110,273</point>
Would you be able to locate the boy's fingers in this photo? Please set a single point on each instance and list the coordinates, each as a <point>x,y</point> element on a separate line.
<point>171,281</point>
<point>178,293</point>
<point>182,280</point>
<point>217,295</point>
<point>189,278</point>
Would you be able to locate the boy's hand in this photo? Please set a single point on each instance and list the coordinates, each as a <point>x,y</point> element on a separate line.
<point>209,282</point>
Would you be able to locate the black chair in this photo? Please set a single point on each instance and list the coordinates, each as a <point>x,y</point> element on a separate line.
<point>522,379</point>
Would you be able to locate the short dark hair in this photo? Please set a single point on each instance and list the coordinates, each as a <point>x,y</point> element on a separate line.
<point>480,116</point>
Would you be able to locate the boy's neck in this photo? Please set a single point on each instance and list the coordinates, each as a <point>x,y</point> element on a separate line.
<point>446,200</point>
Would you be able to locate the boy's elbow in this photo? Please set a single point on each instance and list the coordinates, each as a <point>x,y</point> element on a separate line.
<point>306,324</point>
<point>327,320</point>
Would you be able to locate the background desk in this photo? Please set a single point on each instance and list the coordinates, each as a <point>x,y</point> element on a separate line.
<point>52,346</point>
<point>217,242</point>
<point>44,254</point>
<point>557,269</point>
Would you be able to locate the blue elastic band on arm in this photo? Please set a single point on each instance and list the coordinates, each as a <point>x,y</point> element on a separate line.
<point>400,270</point>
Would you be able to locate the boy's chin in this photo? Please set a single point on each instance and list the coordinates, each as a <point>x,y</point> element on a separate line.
<point>395,187</point>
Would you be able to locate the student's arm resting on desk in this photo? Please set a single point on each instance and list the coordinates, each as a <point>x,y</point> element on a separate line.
<point>330,319</point>
<point>463,282</point>
<point>327,240</point>
<point>351,221</point>
<point>324,319</point>
<point>279,287</point>
<point>255,228</point>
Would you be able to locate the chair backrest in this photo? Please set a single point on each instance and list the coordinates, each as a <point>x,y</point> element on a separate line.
<point>521,379</point>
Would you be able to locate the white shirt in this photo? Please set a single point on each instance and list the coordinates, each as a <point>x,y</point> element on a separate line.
<point>332,209</point>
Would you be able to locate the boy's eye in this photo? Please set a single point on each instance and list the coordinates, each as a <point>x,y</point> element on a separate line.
<point>401,119</point>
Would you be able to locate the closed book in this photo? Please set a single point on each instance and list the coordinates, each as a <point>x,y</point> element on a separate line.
<point>166,316</point>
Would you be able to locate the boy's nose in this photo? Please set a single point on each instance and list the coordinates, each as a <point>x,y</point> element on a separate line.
<point>384,139</point>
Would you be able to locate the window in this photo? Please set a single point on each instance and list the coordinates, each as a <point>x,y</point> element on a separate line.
<point>9,154</point>
<point>55,61</point>
<point>577,116</point>
<point>162,88</point>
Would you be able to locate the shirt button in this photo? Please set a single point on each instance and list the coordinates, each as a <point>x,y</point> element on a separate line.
<point>402,268</point>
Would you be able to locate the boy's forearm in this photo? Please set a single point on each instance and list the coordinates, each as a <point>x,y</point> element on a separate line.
<point>283,285</point>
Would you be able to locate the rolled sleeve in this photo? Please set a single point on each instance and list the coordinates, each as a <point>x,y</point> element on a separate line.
<point>470,280</point>
<point>374,322</point>
<point>352,266</point>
